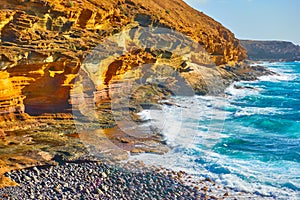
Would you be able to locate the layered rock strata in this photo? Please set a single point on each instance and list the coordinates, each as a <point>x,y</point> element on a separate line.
<point>44,42</point>
<point>61,60</point>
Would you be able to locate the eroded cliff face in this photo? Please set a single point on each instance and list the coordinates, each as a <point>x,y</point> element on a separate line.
<point>68,67</point>
<point>43,44</point>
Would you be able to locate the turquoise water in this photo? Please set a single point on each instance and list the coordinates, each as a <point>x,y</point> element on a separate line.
<point>248,140</point>
<point>263,130</point>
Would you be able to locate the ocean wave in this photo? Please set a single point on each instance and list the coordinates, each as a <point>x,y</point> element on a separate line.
<point>284,72</point>
<point>265,64</point>
<point>201,147</point>
<point>237,91</point>
<point>278,77</point>
<point>247,111</point>
<point>237,175</point>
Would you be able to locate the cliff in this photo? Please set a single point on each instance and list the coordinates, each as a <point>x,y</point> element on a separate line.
<point>43,44</point>
<point>271,50</point>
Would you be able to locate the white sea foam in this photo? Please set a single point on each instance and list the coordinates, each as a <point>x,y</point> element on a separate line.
<point>265,64</point>
<point>144,115</point>
<point>278,77</point>
<point>247,111</point>
<point>195,129</point>
<point>282,73</point>
<point>239,170</point>
<point>237,93</point>
<point>281,70</point>
<point>201,122</point>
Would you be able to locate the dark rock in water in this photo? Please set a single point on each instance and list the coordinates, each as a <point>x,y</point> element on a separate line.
<point>238,87</point>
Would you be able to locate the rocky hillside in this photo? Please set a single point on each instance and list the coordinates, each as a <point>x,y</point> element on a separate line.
<point>272,50</point>
<point>43,44</point>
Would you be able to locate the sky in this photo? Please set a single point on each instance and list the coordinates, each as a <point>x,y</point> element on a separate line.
<point>255,19</point>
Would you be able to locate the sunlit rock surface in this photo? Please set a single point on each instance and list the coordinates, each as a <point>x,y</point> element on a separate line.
<point>44,42</point>
<point>57,80</point>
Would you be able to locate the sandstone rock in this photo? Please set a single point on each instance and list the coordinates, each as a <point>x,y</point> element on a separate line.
<point>2,133</point>
<point>43,43</point>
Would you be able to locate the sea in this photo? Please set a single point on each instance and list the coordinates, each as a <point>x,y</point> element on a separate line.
<point>247,139</point>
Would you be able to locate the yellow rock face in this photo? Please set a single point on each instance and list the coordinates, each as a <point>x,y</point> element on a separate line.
<point>11,98</point>
<point>43,44</point>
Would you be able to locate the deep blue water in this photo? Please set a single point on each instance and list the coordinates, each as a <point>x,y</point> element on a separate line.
<point>247,140</point>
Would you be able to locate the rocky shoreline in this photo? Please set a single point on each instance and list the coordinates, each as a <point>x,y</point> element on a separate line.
<point>44,140</point>
<point>45,117</point>
<point>60,174</point>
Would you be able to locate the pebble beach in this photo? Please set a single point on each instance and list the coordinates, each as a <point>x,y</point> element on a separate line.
<point>95,180</point>
<point>106,180</point>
